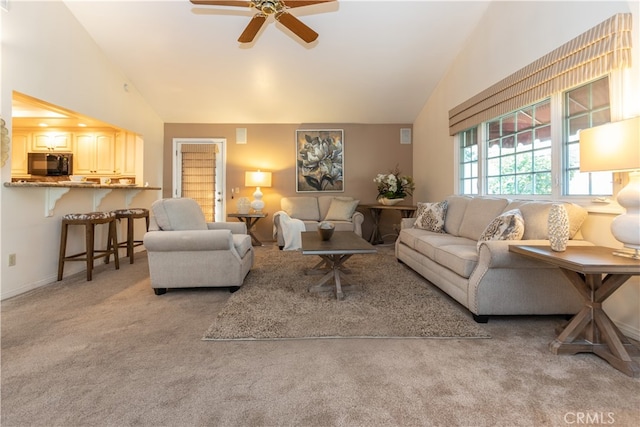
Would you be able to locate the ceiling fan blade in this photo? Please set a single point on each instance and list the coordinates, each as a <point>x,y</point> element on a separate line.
<point>300,3</point>
<point>297,27</point>
<point>238,3</point>
<point>252,29</point>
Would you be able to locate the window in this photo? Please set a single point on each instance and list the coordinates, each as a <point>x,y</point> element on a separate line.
<point>517,150</point>
<point>586,106</point>
<point>469,161</point>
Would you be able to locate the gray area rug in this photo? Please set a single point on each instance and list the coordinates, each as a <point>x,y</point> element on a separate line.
<point>389,300</point>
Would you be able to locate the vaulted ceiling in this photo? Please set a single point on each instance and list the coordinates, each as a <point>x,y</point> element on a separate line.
<point>373,62</point>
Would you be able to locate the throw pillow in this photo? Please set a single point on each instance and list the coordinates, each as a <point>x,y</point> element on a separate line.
<point>341,209</point>
<point>430,216</point>
<point>506,226</point>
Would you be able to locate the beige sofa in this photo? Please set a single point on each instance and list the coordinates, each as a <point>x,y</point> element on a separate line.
<point>185,251</point>
<point>312,210</point>
<point>484,276</point>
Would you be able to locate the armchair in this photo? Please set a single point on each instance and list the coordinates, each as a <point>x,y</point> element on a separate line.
<point>185,251</point>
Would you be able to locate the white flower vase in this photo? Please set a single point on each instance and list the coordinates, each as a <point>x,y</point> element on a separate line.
<point>389,202</point>
<point>558,224</point>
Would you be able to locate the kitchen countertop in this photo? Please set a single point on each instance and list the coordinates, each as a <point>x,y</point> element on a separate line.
<point>54,190</point>
<point>61,184</point>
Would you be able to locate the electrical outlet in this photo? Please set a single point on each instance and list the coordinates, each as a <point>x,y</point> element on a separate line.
<point>12,260</point>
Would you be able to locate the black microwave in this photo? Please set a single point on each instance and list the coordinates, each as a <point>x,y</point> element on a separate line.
<point>50,164</point>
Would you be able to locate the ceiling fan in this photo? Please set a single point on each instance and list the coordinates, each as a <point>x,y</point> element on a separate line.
<point>265,8</point>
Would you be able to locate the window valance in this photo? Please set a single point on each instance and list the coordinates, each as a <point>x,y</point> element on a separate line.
<point>603,48</point>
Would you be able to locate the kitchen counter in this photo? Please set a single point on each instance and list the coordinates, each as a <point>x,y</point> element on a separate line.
<point>55,190</point>
<point>70,184</point>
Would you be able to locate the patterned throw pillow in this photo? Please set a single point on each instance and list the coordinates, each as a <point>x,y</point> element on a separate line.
<point>430,216</point>
<point>506,226</point>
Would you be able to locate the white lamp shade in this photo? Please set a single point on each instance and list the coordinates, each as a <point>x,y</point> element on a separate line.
<point>612,147</point>
<point>257,179</point>
<point>615,147</point>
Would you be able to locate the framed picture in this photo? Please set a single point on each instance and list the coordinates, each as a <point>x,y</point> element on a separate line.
<point>319,160</point>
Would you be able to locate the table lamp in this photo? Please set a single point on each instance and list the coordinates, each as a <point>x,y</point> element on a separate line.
<point>615,147</point>
<point>257,179</point>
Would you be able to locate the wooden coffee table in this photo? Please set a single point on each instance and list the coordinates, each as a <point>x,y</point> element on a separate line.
<point>591,330</point>
<point>334,253</point>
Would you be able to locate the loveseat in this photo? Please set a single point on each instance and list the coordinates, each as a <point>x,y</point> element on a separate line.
<point>185,251</point>
<point>311,210</point>
<point>445,243</point>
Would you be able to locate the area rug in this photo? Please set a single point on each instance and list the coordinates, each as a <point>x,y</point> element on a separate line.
<point>388,300</point>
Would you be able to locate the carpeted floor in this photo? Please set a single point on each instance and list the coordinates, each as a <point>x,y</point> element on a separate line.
<point>111,353</point>
<point>388,299</point>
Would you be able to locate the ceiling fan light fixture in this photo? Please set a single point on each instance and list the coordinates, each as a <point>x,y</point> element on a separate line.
<point>268,7</point>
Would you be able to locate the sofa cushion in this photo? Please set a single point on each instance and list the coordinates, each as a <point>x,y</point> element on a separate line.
<point>178,214</point>
<point>341,209</point>
<point>431,216</point>
<point>479,213</point>
<point>461,258</point>
<point>506,226</point>
<point>304,208</point>
<point>536,215</point>
<point>409,236</point>
<point>428,243</point>
<point>456,207</point>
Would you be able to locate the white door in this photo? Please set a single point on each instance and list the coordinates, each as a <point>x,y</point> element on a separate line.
<point>200,175</point>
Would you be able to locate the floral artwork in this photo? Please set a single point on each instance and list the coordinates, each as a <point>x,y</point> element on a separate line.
<point>394,185</point>
<point>320,160</point>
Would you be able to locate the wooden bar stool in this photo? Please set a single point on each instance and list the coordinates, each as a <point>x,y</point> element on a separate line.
<point>130,215</point>
<point>89,220</point>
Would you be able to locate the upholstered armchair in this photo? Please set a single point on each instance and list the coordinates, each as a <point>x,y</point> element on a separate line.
<point>185,251</point>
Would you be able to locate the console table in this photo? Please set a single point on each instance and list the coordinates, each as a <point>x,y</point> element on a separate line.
<point>250,219</point>
<point>376,212</point>
<point>591,330</point>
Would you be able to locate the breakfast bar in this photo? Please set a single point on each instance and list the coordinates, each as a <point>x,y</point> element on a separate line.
<point>55,190</point>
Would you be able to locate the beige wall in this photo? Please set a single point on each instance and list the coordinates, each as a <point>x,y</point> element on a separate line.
<point>481,63</point>
<point>368,150</point>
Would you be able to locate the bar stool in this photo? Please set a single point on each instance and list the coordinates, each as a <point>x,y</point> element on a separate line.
<point>89,220</point>
<point>130,215</point>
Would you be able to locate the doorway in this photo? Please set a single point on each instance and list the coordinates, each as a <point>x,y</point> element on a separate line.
<point>199,170</point>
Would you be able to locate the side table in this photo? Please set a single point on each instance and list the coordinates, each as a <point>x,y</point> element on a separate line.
<point>250,219</point>
<point>591,330</point>
<point>376,212</point>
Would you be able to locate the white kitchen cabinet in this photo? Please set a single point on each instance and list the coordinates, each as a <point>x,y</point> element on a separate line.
<point>126,153</point>
<point>95,153</point>
<point>51,141</point>
<point>20,143</point>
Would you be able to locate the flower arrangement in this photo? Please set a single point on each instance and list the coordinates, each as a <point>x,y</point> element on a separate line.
<point>393,185</point>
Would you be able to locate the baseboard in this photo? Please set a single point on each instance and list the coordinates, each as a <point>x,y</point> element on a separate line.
<point>29,287</point>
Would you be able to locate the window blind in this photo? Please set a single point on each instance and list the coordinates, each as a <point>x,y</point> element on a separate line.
<point>598,51</point>
<point>199,176</point>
